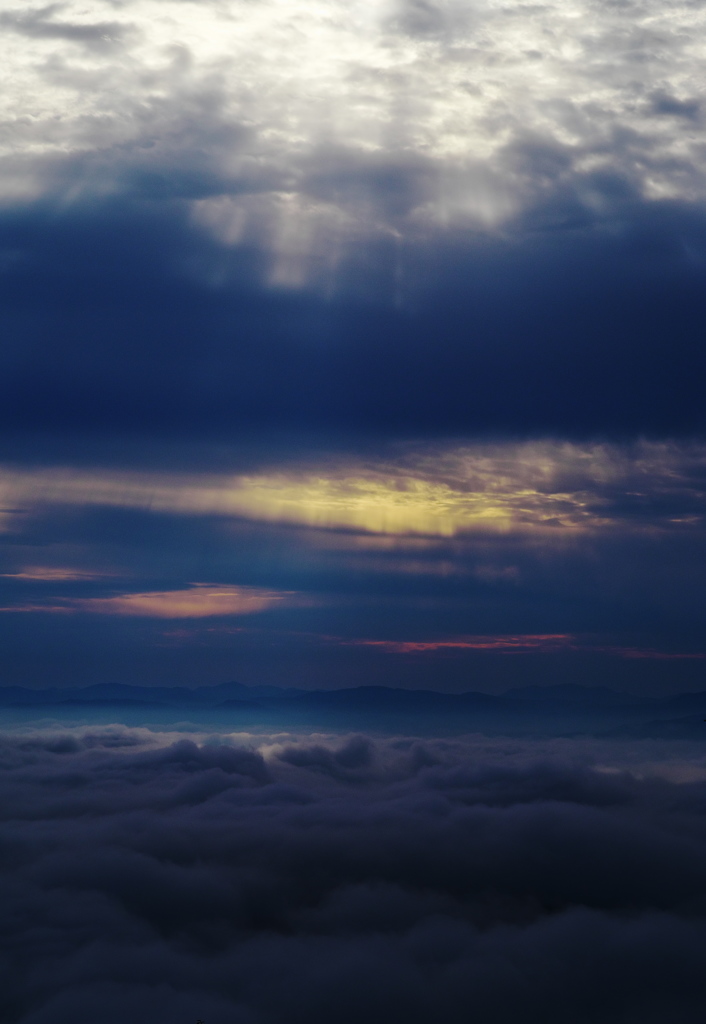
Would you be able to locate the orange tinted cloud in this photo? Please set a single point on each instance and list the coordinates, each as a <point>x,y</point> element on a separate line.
<point>523,642</point>
<point>198,601</point>
<point>542,642</point>
<point>49,574</point>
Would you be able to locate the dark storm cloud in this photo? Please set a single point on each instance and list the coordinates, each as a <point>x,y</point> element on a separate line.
<point>120,318</point>
<point>41,23</point>
<point>663,103</point>
<point>395,881</point>
<point>372,228</point>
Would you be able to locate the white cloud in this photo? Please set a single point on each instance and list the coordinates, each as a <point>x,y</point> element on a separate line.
<point>310,122</point>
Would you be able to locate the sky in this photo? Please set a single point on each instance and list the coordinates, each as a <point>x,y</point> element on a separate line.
<point>353,343</point>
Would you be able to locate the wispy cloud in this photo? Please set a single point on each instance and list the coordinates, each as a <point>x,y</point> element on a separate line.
<point>549,488</point>
<point>523,644</point>
<point>198,601</point>
<point>54,574</point>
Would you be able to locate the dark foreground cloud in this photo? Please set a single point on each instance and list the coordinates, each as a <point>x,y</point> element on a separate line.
<point>122,317</point>
<point>305,880</point>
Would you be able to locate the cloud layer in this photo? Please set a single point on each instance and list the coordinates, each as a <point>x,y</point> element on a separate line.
<point>298,879</point>
<point>435,490</point>
<point>314,124</point>
<point>394,216</point>
<point>410,562</point>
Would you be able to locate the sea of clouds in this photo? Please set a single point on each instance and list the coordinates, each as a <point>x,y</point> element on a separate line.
<point>157,877</point>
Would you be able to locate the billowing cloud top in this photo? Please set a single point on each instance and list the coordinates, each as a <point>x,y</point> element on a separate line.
<point>235,878</point>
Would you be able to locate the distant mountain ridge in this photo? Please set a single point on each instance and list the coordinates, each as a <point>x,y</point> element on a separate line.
<point>556,710</point>
<point>597,695</point>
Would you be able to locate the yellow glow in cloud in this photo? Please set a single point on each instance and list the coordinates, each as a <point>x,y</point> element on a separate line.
<point>378,504</point>
<point>545,488</point>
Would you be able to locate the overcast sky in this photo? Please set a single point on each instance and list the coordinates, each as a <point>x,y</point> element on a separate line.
<point>352,342</point>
